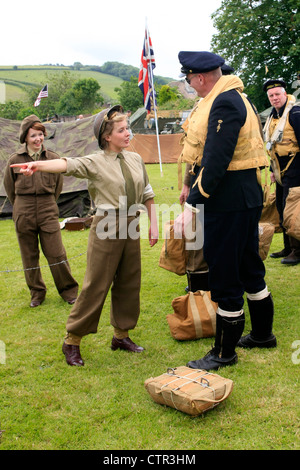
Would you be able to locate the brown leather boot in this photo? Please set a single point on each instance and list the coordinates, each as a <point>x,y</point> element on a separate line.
<point>125,343</point>
<point>72,354</point>
<point>292,259</point>
<point>280,254</point>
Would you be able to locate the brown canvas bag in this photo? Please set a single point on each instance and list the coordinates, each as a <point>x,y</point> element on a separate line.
<point>270,213</point>
<point>173,256</point>
<point>266,232</point>
<point>194,316</point>
<point>191,391</point>
<point>291,214</point>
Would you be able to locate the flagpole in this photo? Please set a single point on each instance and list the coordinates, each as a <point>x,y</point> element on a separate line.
<point>153,96</point>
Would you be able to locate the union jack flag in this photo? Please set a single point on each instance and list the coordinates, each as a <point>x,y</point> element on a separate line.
<point>42,94</point>
<point>145,81</point>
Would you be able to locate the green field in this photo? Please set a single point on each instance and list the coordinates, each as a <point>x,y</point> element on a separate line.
<point>47,405</point>
<point>32,76</point>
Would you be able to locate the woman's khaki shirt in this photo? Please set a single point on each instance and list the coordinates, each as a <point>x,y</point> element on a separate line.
<point>106,183</point>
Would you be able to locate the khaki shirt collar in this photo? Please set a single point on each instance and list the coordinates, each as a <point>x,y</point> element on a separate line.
<point>34,155</point>
<point>112,154</point>
<point>23,149</point>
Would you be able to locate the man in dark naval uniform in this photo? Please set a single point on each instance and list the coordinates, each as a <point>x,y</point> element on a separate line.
<point>223,139</point>
<point>282,135</point>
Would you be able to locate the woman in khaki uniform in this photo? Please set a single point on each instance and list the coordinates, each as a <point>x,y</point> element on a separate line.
<point>35,214</point>
<point>117,180</point>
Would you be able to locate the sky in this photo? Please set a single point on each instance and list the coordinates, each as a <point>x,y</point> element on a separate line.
<point>65,31</point>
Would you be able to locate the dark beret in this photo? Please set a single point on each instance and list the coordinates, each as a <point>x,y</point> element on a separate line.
<point>273,84</point>
<point>226,69</point>
<point>199,62</point>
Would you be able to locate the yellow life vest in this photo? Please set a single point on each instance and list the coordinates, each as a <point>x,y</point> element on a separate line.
<point>249,151</point>
<point>281,139</point>
<point>288,145</point>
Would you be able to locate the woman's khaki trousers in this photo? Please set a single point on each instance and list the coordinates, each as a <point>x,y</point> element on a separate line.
<point>36,220</point>
<point>114,263</point>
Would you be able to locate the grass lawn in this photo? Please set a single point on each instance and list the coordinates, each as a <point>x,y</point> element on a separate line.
<point>47,405</point>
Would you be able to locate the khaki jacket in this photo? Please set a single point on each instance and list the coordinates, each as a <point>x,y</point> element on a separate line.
<point>40,183</point>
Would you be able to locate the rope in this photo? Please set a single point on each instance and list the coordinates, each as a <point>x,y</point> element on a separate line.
<point>39,267</point>
<point>54,264</point>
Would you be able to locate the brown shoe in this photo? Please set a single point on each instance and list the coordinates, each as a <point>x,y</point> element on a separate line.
<point>292,259</point>
<point>36,303</point>
<point>126,344</point>
<point>280,254</point>
<point>72,354</point>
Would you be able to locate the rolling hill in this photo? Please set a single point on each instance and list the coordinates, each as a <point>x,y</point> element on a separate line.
<point>109,76</point>
<point>18,78</point>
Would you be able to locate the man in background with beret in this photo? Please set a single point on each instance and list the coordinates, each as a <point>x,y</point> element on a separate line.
<point>282,136</point>
<point>223,142</point>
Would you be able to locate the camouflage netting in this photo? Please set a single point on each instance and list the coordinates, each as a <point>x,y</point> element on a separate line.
<point>75,139</point>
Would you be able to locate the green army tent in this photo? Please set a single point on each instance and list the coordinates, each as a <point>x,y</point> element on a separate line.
<point>74,139</point>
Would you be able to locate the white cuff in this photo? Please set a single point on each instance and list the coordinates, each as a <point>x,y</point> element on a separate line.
<point>226,313</point>
<point>191,208</point>
<point>148,189</point>
<point>259,295</point>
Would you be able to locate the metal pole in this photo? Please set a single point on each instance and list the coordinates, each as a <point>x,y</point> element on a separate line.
<point>153,95</point>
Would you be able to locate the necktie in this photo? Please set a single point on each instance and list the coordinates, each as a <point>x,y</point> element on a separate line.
<point>129,184</point>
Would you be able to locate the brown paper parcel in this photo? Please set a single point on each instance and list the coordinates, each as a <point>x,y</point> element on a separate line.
<point>191,391</point>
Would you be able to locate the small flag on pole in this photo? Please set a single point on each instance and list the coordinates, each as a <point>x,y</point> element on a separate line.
<point>145,81</point>
<point>42,94</point>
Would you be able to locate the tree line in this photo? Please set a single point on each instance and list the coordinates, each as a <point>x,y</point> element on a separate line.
<point>260,40</point>
<point>70,97</point>
<point>125,72</point>
<point>66,96</point>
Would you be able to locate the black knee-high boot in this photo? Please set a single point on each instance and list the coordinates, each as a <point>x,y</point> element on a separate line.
<point>228,332</point>
<point>261,315</point>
